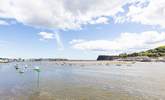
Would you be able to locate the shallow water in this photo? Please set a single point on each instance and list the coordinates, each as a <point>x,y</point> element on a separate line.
<point>139,81</point>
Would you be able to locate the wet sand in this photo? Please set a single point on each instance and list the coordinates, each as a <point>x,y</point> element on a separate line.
<point>92,62</point>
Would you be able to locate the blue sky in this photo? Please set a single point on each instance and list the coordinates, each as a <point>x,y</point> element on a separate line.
<point>82,29</point>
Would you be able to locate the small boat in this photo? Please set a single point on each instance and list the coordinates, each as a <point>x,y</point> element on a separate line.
<point>26,66</point>
<point>37,69</point>
<point>16,66</point>
<point>21,71</point>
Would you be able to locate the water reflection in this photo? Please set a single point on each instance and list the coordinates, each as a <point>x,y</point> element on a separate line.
<point>37,92</point>
<point>21,69</point>
<point>38,78</point>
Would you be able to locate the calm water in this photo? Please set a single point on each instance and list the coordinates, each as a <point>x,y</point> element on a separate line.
<point>140,81</point>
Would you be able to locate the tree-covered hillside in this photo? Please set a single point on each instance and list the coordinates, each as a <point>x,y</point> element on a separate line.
<point>157,52</point>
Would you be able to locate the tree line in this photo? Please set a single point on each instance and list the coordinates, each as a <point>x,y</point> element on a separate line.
<point>157,52</point>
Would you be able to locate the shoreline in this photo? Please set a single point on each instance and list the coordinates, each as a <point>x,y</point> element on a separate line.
<point>90,62</point>
<point>86,63</point>
<point>94,62</point>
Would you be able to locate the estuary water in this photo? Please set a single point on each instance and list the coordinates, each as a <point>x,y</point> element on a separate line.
<point>139,81</point>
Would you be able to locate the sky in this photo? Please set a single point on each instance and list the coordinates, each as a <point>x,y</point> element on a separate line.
<point>79,29</point>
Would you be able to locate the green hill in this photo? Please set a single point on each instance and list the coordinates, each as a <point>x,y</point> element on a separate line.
<point>157,52</point>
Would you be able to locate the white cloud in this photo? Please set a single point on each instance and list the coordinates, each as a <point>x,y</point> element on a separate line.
<point>60,14</point>
<point>46,35</point>
<point>2,22</point>
<point>73,14</point>
<point>147,12</point>
<point>126,42</point>
<point>76,41</point>
<point>101,20</point>
<point>50,36</point>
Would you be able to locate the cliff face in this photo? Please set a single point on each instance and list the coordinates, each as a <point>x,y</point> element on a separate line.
<point>104,57</point>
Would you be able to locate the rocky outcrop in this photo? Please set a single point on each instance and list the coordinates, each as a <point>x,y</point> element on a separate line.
<point>138,58</point>
<point>105,57</point>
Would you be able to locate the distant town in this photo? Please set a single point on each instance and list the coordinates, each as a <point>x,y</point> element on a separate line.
<point>6,60</point>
